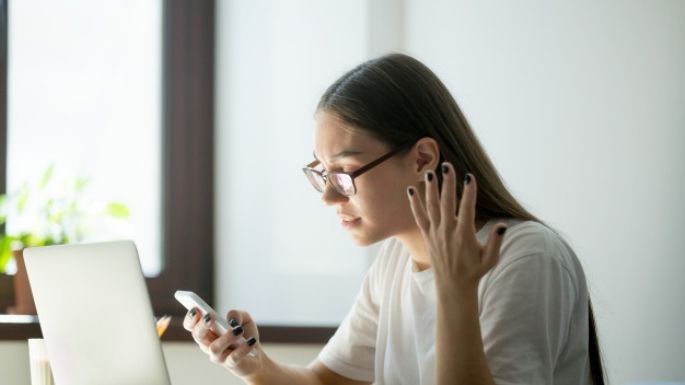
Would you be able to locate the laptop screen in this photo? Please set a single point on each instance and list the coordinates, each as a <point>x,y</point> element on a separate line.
<point>95,314</point>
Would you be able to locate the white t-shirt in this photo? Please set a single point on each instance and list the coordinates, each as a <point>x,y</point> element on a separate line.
<point>533,311</point>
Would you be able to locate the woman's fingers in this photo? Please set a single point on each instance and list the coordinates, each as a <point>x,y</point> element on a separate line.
<point>448,195</point>
<point>235,318</point>
<point>202,332</point>
<point>233,359</point>
<point>222,346</point>
<point>467,206</point>
<point>432,198</point>
<point>427,211</point>
<point>231,347</point>
<point>492,248</point>
<point>417,208</point>
<point>191,318</point>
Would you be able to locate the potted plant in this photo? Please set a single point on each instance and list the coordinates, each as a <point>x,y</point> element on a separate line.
<point>47,213</point>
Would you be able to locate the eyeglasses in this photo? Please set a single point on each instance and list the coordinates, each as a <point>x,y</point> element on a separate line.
<point>342,182</point>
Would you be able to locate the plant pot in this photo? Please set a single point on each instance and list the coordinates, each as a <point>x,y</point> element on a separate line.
<point>23,297</point>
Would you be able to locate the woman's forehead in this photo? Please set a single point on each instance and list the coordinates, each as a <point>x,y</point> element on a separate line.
<point>333,136</point>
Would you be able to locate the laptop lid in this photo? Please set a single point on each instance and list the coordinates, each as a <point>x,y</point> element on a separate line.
<point>95,314</point>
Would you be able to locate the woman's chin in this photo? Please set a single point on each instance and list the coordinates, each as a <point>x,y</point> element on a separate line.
<point>365,239</point>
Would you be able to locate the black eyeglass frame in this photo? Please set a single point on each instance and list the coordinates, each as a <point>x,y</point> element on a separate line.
<point>352,175</point>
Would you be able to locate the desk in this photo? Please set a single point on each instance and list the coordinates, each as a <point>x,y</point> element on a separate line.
<point>22,327</point>
<point>19,327</point>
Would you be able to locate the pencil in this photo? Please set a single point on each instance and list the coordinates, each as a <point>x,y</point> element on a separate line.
<point>162,325</point>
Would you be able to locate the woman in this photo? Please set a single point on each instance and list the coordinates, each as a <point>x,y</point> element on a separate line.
<point>469,287</point>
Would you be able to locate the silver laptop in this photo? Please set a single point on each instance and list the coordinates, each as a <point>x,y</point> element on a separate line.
<point>95,314</point>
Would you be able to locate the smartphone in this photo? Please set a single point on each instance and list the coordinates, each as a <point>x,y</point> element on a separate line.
<point>191,300</point>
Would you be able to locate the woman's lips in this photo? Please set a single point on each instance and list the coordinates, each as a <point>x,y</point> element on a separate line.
<point>349,223</point>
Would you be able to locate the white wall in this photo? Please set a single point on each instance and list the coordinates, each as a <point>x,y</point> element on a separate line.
<point>282,255</point>
<point>581,106</point>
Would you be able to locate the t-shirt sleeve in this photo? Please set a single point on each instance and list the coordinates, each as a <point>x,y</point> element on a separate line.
<point>525,315</point>
<point>351,350</point>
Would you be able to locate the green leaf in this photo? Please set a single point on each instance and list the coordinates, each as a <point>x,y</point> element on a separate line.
<point>3,210</point>
<point>23,198</point>
<point>118,210</point>
<point>81,183</point>
<point>47,175</point>
<point>5,251</point>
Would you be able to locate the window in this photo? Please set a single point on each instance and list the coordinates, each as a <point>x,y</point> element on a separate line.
<point>98,98</point>
<point>183,152</point>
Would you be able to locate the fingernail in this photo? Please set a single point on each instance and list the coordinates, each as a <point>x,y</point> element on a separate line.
<point>237,330</point>
<point>501,230</point>
<point>233,322</point>
<point>251,341</point>
<point>445,169</point>
<point>208,317</point>
<point>429,176</point>
<point>410,190</point>
<point>467,179</point>
<point>193,311</point>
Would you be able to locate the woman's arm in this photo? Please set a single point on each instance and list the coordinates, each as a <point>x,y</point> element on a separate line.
<point>259,368</point>
<point>459,261</point>
<point>315,374</point>
<point>459,346</point>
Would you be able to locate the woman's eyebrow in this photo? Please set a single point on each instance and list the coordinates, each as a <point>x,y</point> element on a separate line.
<point>340,155</point>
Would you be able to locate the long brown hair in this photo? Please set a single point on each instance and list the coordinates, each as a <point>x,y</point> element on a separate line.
<point>399,100</point>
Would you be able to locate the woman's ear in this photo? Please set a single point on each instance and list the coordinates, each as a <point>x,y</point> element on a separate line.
<point>425,156</point>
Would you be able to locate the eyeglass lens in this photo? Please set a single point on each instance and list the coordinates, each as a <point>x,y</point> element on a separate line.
<point>342,183</point>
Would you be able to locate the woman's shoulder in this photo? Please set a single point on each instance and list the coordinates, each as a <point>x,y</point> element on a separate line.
<point>529,237</point>
<point>535,240</point>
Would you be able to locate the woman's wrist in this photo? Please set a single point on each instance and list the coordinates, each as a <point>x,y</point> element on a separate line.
<point>456,295</point>
<point>264,372</point>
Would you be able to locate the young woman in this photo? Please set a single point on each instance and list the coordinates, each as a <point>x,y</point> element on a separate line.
<point>469,287</point>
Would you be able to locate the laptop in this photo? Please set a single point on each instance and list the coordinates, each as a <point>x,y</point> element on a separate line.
<point>95,314</point>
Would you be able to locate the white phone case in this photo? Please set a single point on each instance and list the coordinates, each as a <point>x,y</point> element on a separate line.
<point>191,300</point>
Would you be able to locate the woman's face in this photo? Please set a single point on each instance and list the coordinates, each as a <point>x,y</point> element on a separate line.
<point>380,207</point>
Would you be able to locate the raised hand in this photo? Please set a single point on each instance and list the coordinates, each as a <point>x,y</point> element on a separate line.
<point>458,259</point>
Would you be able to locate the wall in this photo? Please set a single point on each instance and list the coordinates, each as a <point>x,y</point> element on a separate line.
<point>281,254</point>
<point>580,105</point>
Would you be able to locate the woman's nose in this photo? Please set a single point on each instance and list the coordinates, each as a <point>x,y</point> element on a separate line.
<point>331,196</point>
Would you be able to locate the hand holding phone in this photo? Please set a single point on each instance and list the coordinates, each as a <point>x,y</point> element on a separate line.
<point>191,300</point>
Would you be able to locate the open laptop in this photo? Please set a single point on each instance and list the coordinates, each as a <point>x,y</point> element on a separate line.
<point>95,314</point>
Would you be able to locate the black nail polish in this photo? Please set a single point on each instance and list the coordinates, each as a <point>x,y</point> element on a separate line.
<point>501,230</point>
<point>208,317</point>
<point>429,175</point>
<point>467,179</point>
<point>251,341</point>
<point>445,169</point>
<point>193,311</point>
<point>410,190</point>
<point>237,330</point>
<point>233,322</point>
